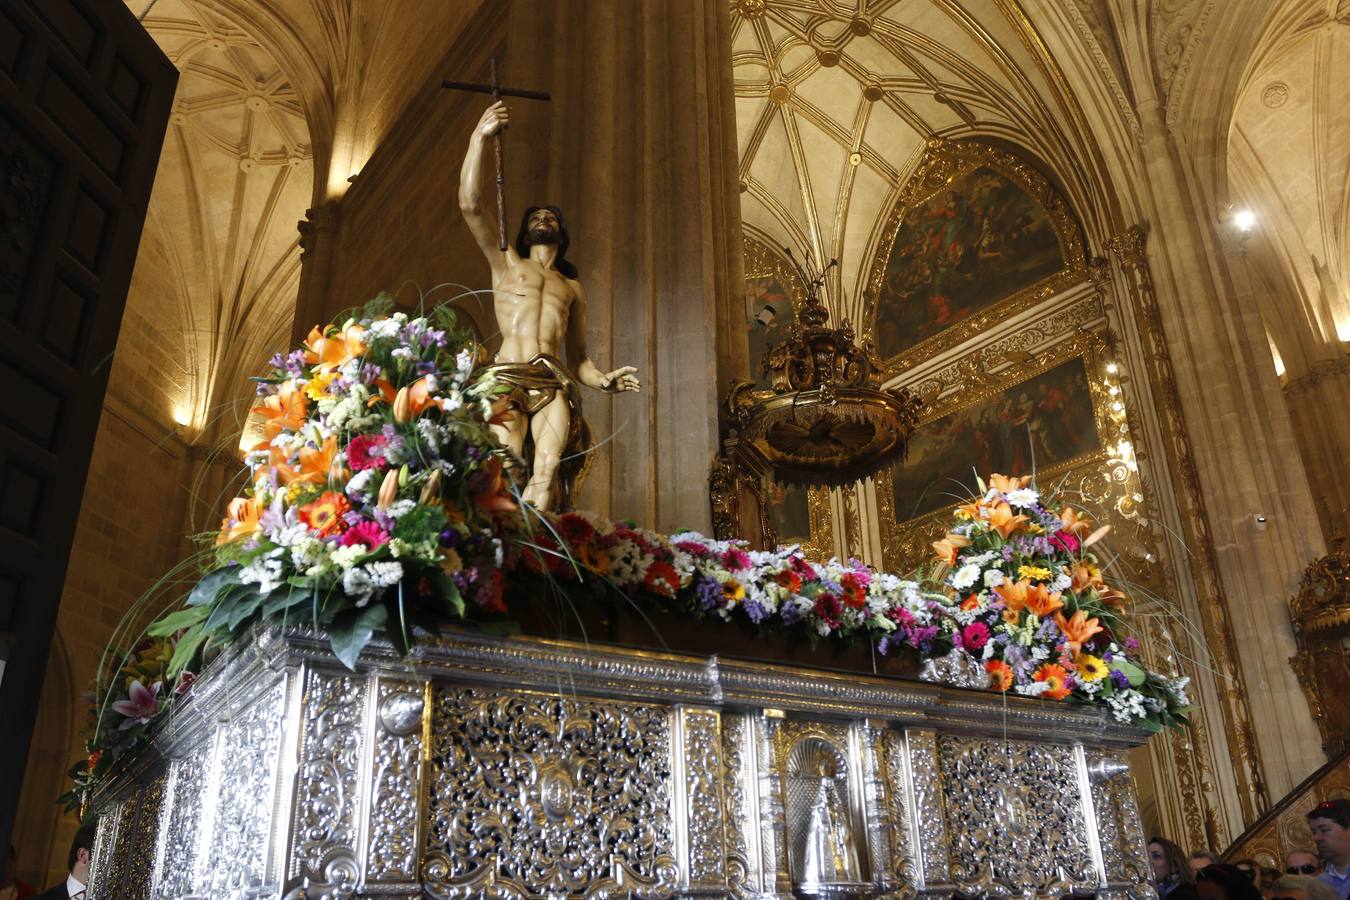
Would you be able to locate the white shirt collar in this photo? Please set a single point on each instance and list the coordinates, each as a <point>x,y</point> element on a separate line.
<point>73,886</point>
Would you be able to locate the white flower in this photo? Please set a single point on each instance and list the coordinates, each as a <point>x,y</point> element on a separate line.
<point>1040,652</point>
<point>993,578</point>
<point>385,574</point>
<point>384,328</point>
<point>403,353</point>
<point>464,361</point>
<point>306,553</point>
<point>356,582</point>
<point>965,576</point>
<point>1126,705</point>
<point>265,573</point>
<point>360,484</point>
<point>401,508</point>
<point>1062,583</point>
<point>346,557</point>
<point>1032,689</point>
<point>1023,497</point>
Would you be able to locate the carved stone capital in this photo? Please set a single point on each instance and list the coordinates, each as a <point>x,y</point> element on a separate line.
<point>319,220</point>
<point>1128,247</point>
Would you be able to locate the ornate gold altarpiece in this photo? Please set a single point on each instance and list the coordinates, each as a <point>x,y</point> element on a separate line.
<point>522,767</point>
<point>1199,787</point>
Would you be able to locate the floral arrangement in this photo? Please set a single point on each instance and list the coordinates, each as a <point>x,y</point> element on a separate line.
<point>377,499</point>
<point>124,708</point>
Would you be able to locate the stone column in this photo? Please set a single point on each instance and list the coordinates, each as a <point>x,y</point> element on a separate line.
<point>638,148</point>
<point>319,237</point>
<point>1246,459</point>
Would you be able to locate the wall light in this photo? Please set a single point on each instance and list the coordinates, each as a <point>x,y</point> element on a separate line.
<point>1244,219</point>
<point>182,415</point>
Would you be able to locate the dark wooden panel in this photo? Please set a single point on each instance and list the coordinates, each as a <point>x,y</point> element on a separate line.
<point>84,99</point>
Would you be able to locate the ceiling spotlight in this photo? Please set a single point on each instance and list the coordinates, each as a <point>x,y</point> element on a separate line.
<point>1244,219</point>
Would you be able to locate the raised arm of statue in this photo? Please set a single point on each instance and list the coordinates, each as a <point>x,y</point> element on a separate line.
<point>623,378</point>
<point>479,220</point>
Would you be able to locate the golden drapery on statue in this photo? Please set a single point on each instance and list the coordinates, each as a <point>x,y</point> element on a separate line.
<point>535,384</point>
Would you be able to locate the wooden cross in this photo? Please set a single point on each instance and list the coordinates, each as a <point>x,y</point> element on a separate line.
<point>497,92</point>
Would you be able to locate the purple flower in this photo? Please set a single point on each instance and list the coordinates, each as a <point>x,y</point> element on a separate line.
<point>1118,679</point>
<point>707,591</point>
<point>755,610</point>
<point>1131,645</point>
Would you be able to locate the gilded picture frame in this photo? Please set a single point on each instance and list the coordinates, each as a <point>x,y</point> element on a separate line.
<point>906,543</point>
<point>946,164</point>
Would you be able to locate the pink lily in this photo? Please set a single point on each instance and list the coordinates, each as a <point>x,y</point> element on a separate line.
<point>142,706</point>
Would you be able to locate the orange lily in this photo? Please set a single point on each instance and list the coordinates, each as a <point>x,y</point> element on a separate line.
<point>386,393</point>
<point>973,510</point>
<point>1014,594</point>
<point>1042,602</point>
<point>288,408</point>
<point>329,353</point>
<point>947,548</point>
<point>1002,520</point>
<point>242,520</point>
<point>1006,483</point>
<point>411,401</point>
<point>1074,523</point>
<point>494,497</point>
<point>316,465</point>
<point>1088,577</point>
<point>1079,629</point>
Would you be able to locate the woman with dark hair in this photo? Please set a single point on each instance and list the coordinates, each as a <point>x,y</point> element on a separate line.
<point>1171,870</point>
<point>1224,882</point>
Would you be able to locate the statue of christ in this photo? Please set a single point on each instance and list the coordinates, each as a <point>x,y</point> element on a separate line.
<point>541,310</point>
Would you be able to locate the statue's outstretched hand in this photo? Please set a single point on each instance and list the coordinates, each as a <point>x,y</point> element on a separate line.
<point>621,379</point>
<point>494,119</point>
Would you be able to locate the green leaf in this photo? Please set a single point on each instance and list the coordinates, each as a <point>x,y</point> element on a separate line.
<point>177,621</point>
<point>185,651</point>
<point>351,630</point>
<point>243,608</point>
<point>285,598</point>
<point>1132,672</point>
<point>206,589</point>
<point>446,594</point>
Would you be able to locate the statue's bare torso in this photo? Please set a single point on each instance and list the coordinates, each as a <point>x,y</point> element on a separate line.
<point>532,304</point>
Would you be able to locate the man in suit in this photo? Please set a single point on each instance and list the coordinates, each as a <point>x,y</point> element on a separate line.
<point>77,864</point>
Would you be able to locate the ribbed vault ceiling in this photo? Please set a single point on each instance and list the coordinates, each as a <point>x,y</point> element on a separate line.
<point>835,101</point>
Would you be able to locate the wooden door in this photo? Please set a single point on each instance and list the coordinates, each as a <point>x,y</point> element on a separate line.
<point>85,95</point>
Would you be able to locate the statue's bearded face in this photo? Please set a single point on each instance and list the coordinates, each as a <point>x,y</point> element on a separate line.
<point>543,227</point>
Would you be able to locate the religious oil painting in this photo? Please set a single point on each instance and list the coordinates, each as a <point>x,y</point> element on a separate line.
<point>1037,424</point>
<point>772,289</point>
<point>963,250</point>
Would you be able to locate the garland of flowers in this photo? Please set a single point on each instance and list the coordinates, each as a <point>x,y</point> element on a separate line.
<point>377,500</point>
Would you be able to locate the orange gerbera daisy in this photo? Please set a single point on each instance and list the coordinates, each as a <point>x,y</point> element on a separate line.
<point>324,513</point>
<point>329,353</point>
<point>241,520</point>
<point>947,548</point>
<point>1057,678</point>
<point>1000,674</point>
<point>1002,520</point>
<point>1079,629</point>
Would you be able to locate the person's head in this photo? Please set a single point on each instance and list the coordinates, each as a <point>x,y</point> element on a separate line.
<point>1303,887</point>
<point>1218,881</point>
<point>544,225</point>
<point>81,849</point>
<point>1168,860</point>
<point>1247,867</point>
<point>1265,880</point>
<point>1301,862</point>
<point>1330,825</point>
<point>1201,858</point>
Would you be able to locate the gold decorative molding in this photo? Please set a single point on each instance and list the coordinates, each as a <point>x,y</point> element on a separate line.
<point>1319,371</point>
<point>1321,616</point>
<point>942,163</point>
<point>1129,247</point>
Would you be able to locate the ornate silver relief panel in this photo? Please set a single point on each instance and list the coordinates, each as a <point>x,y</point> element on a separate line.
<point>1119,827</point>
<point>540,796</point>
<point>700,785</point>
<point>1014,814</point>
<point>176,853</point>
<point>242,795</point>
<point>328,778</point>
<point>396,791</point>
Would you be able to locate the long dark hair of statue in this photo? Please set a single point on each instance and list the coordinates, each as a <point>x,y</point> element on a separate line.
<point>562,263</point>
